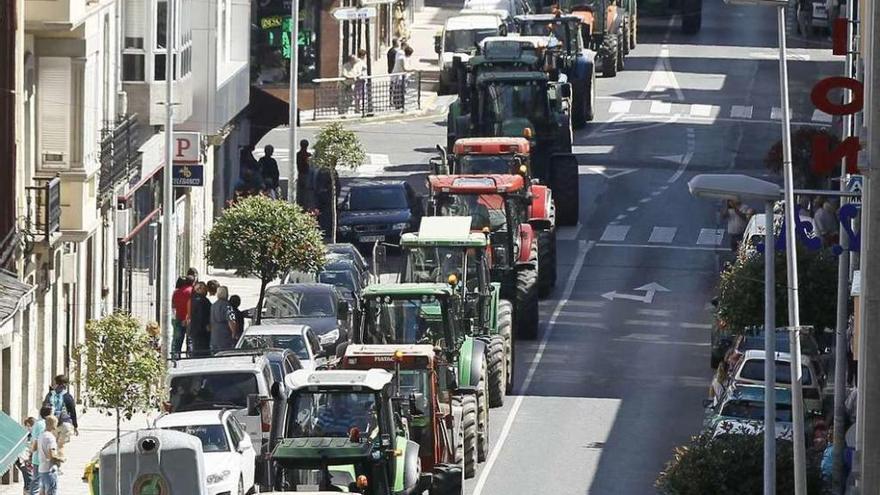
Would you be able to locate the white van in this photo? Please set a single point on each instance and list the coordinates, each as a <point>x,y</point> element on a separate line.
<point>755,232</point>
<point>461,36</point>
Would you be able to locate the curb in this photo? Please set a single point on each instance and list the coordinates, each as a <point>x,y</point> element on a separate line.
<point>429,107</point>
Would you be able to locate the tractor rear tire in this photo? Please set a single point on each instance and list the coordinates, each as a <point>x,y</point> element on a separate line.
<point>496,361</point>
<point>634,31</point>
<point>621,54</point>
<point>609,60</point>
<point>546,261</point>
<point>469,434</point>
<point>447,479</point>
<point>565,184</point>
<point>626,37</point>
<point>579,99</point>
<point>590,100</point>
<point>483,414</point>
<point>526,303</point>
<point>505,327</point>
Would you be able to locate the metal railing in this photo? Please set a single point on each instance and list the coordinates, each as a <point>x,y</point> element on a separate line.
<point>119,153</point>
<point>44,207</point>
<point>373,95</point>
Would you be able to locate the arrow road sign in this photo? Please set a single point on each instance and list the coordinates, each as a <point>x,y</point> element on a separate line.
<point>648,298</point>
<point>354,13</point>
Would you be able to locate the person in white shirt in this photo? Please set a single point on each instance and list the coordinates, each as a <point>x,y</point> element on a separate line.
<point>47,447</point>
<point>402,65</point>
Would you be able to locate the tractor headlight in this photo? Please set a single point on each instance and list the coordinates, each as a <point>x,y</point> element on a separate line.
<point>220,477</point>
<point>330,337</point>
<point>400,226</point>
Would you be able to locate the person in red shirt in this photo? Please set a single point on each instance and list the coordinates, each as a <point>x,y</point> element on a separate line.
<point>180,301</point>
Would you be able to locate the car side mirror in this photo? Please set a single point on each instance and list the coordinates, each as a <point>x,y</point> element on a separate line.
<point>380,255</point>
<point>243,445</point>
<point>276,391</point>
<point>253,404</point>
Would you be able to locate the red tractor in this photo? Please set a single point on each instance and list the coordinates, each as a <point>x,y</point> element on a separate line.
<point>424,386</point>
<point>519,218</point>
<point>486,155</point>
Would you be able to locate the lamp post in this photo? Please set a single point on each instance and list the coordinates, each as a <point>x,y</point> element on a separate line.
<point>294,81</point>
<point>742,187</point>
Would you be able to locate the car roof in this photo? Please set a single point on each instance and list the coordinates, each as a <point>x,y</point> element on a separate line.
<point>389,350</point>
<point>308,287</point>
<point>756,393</point>
<point>276,329</point>
<point>374,379</point>
<point>363,184</point>
<point>188,418</point>
<point>512,76</point>
<point>759,354</point>
<point>253,362</point>
<point>407,289</point>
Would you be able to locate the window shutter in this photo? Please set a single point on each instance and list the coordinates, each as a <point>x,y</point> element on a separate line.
<point>55,100</point>
<point>135,19</point>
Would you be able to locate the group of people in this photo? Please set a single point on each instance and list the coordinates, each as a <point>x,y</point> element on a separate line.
<point>40,464</point>
<point>258,176</point>
<point>354,87</point>
<point>823,212</point>
<point>206,317</point>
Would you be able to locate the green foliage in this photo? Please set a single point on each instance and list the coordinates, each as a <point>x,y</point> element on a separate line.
<point>731,464</point>
<point>741,291</point>
<point>337,146</point>
<point>801,157</point>
<point>124,370</point>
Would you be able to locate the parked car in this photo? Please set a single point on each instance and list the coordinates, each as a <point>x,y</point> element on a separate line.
<point>460,37</point>
<point>341,261</point>
<point>349,251</point>
<point>750,370</point>
<point>228,453</point>
<point>320,306</point>
<point>300,340</point>
<point>378,211</point>
<point>809,346</point>
<point>741,410</point>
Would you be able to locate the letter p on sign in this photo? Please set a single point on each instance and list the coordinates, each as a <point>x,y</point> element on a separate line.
<point>187,147</point>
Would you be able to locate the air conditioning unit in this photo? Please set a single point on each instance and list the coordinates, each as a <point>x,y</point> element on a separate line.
<point>123,223</point>
<point>121,103</point>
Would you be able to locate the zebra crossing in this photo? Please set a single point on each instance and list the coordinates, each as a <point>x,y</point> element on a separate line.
<point>660,236</point>
<point>624,107</point>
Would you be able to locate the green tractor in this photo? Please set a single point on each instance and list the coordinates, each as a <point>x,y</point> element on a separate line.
<point>444,247</point>
<point>427,313</point>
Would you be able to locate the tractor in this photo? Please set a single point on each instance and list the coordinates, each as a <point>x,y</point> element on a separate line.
<point>437,417</point>
<point>605,27</point>
<point>571,58</point>
<point>498,207</point>
<point>340,430</point>
<point>413,313</point>
<point>444,247</point>
<point>523,104</point>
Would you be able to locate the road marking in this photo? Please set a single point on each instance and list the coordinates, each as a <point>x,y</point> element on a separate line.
<point>620,106</point>
<point>607,172</point>
<point>585,248</point>
<point>656,193</point>
<point>620,217</point>
<point>646,323</point>
<point>660,107</point>
<point>632,209</point>
<point>662,313</point>
<point>698,326</point>
<point>741,112</point>
<point>663,234</point>
<point>599,149</point>
<point>659,340</point>
<point>615,233</point>
<point>686,159</point>
<point>588,304</point>
<point>568,233</point>
<point>580,314</point>
<point>645,200</point>
<point>698,110</point>
<point>710,237</point>
<point>662,246</point>
<point>650,291</point>
<point>643,118</point>
<point>775,113</point>
<point>820,116</point>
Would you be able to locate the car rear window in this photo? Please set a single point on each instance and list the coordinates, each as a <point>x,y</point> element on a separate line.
<point>753,369</point>
<point>377,198</point>
<point>211,391</point>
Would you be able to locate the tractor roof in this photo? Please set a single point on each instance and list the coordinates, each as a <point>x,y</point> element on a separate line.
<point>476,184</point>
<point>546,18</point>
<point>473,20</point>
<point>374,379</point>
<point>490,146</point>
<point>444,231</point>
<point>488,77</point>
<point>421,350</point>
<point>407,290</point>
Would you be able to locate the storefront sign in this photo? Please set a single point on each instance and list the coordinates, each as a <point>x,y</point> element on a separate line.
<point>273,22</point>
<point>354,14</point>
<point>188,175</point>
<point>187,147</point>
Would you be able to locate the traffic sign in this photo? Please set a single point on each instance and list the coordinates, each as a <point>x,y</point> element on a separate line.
<point>354,13</point>
<point>187,147</point>
<point>854,185</point>
<point>188,175</point>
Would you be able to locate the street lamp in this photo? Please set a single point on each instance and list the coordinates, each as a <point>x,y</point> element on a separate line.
<point>741,187</point>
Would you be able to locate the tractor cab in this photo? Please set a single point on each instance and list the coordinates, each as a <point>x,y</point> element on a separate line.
<point>562,31</point>
<point>410,313</point>
<point>488,155</point>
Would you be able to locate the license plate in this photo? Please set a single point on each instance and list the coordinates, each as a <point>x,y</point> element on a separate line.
<point>819,11</point>
<point>372,238</point>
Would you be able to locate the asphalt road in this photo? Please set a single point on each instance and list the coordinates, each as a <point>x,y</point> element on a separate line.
<point>618,374</point>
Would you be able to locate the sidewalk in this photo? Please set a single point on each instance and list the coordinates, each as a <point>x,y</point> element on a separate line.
<point>95,430</point>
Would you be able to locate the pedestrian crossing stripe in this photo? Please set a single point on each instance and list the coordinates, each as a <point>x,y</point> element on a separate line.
<point>659,236</point>
<point>707,111</point>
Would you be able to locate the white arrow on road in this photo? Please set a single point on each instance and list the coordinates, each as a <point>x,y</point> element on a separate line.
<point>650,290</point>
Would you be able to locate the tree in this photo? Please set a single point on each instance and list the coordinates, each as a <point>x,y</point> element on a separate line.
<point>801,157</point>
<point>731,464</point>
<point>741,290</point>
<point>265,237</point>
<point>124,370</point>
<point>337,147</point>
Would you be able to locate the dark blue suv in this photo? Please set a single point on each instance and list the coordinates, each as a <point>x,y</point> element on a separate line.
<point>378,211</point>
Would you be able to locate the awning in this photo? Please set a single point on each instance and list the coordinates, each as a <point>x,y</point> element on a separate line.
<point>13,440</point>
<point>12,295</point>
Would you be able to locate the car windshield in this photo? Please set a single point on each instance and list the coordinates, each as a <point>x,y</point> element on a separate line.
<point>377,198</point>
<point>514,100</point>
<point>485,210</point>
<point>746,409</point>
<point>415,384</point>
<point>434,264</point>
<point>465,40</point>
<point>287,302</point>
<point>332,413</point>
<point>294,342</point>
<point>403,321</point>
<point>342,279</point>
<point>753,369</point>
<point>213,437</point>
<point>485,164</point>
<point>212,390</point>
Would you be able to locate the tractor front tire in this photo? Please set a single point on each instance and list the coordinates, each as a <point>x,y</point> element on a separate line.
<point>578,103</point>
<point>526,303</point>
<point>483,414</point>
<point>626,39</point>
<point>447,479</point>
<point>496,361</point>
<point>565,184</point>
<point>546,261</point>
<point>469,434</point>
<point>505,327</point>
<point>590,100</point>
<point>621,54</point>
<point>611,52</point>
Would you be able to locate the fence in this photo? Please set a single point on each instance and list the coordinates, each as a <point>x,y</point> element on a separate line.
<point>374,95</point>
<point>138,270</point>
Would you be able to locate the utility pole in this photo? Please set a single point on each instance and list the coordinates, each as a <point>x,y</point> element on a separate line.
<point>769,350</point>
<point>868,442</point>
<point>294,81</point>
<point>168,259</point>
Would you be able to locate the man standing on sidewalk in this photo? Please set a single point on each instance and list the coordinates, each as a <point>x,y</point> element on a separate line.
<point>199,319</point>
<point>303,191</point>
<point>391,55</point>
<point>180,300</point>
<point>37,430</point>
<point>64,409</point>
<point>224,328</point>
<point>269,171</point>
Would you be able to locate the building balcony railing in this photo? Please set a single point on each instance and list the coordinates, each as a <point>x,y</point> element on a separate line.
<point>43,209</point>
<point>119,154</point>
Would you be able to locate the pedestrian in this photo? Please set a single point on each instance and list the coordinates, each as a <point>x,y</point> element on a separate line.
<point>303,193</point>
<point>825,218</point>
<point>23,463</point>
<point>224,328</point>
<point>33,449</point>
<point>155,332</point>
<point>735,214</point>
<point>192,272</point>
<point>50,457</point>
<point>360,83</point>
<point>351,72</point>
<point>391,54</point>
<point>402,65</point>
<point>212,288</point>
<point>235,302</point>
<point>324,195</point>
<point>269,171</point>
<point>64,409</point>
<point>199,320</point>
<point>180,301</point>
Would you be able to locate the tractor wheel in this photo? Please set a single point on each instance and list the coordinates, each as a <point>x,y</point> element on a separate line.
<point>565,184</point>
<point>610,51</point>
<point>469,434</point>
<point>634,31</point>
<point>526,303</point>
<point>458,448</point>
<point>621,54</point>
<point>505,326</point>
<point>483,414</point>
<point>496,362</point>
<point>692,16</point>
<point>626,38</point>
<point>590,100</point>
<point>546,261</point>
<point>447,479</point>
<point>578,104</point>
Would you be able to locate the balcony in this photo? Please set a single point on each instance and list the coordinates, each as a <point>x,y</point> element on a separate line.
<point>60,14</point>
<point>43,210</point>
<point>120,159</point>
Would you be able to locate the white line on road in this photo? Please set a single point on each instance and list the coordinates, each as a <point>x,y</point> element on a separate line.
<point>775,113</point>
<point>698,110</point>
<point>686,159</point>
<point>632,209</point>
<point>663,313</point>
<point>646,323</point>
<point>581,314</point>
<point>661,107</point>
<point>663,235</point>
<point>645,200</point>
<point>661,246</point>
<point>505,430</point>
<point>698,326</point>
<point>619,106</point>
<point>710,237</point>
<point>620,217</point>
<point>615,233</point>
<point>741,112</point>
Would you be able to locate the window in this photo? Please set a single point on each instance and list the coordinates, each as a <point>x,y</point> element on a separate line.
<point>159,67</point>
<point>233,432</point>
<point>332,413</point>
<point>161,24</point>
<point>193,392</point>
<point>133,55</point>
<point>213,437</point>
<point>133,67</point>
